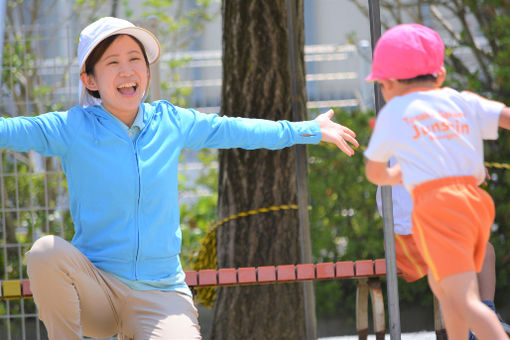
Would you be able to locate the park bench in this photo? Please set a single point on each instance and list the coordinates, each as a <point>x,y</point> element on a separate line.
<point>366,272</point>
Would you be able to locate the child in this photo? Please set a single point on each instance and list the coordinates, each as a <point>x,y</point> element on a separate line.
<point>436,135</point>
<point>121,274</point>
<point>410,263</point>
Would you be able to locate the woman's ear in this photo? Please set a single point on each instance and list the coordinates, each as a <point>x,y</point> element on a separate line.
<point>88,81</point>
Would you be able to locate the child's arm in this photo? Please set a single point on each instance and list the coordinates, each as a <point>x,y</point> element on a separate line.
<point>379,173</point>
<point>504,118</point>
<point>332,132</point>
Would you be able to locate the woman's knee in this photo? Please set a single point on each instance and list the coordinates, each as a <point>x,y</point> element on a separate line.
<point>45,250</point>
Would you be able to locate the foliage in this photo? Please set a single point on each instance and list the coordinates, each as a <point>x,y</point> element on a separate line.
<point>198,227</point>
<point>197,217</point>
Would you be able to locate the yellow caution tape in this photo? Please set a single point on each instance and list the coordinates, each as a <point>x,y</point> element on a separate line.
<point>205,257</point>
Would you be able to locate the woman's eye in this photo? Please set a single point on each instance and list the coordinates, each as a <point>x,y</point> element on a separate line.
<point>112,63</point>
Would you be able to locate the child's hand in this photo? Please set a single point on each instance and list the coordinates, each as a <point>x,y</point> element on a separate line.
<point>395,175</point>
<point>487,176</point>
<point>379,173</point>
<point>336,133</point>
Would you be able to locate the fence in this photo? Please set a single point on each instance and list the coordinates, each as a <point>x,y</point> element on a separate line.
<point>33,190</point>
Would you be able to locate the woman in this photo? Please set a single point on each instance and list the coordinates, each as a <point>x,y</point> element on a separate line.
<point>121,273</point>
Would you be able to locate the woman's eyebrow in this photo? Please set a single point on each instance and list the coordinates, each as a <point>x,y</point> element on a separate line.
<point>116,54</point>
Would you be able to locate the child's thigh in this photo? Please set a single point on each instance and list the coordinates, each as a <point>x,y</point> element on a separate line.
<point>456,290</point>
<point>410,263</point>
<point>450,230</point>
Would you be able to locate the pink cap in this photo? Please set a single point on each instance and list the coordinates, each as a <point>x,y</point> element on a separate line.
<point>407,51</point>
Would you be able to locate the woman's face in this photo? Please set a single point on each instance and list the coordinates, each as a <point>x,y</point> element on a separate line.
<point>121,77</point>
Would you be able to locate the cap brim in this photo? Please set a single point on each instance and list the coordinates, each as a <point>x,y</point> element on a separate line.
<point>371,78</point>
<point>146,38</point>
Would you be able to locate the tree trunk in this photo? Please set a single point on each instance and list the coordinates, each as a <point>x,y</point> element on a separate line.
<point>256,84</point>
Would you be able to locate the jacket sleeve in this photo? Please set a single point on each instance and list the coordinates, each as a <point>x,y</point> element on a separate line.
<point>44,133</point>
<point>202,130</point>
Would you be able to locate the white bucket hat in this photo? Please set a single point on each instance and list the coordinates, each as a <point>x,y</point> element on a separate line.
<point>101,29</point>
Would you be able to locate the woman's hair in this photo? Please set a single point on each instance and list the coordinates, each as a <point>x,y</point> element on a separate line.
<point>419,79</point>
<point>98,52</point>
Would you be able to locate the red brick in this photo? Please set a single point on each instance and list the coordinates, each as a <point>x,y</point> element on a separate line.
<point>364,267</point>
<point>380,267</point>
<point>25,288</point>
<point>325,270</point>
<point>266,274</point>
<point>247,275</point>
<point>207,277</point>
<point>286,272</point>
<point>344,269</point>
<point>191,278</point>
<point>227,276</point>
<point>305,271</point>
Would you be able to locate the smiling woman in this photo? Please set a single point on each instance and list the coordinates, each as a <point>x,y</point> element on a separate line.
<point>121,274</point>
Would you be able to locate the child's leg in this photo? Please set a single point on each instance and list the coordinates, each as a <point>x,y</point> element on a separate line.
<point>455,323</point>
<point>462,308</point>
<point>487,276</point>
<point>487,282</point>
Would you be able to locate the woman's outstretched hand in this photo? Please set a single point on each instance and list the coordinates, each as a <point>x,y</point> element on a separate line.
<point>336,133</point>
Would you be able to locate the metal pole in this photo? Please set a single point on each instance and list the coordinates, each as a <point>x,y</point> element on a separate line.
<point>2,26</point>
<point>302,175</point>
<point>152,25</point>
<point>387,202</point>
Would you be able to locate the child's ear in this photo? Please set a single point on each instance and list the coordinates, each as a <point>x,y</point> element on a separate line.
<point>441,76</point>
<point>387,84</point>
<point>88,81</point>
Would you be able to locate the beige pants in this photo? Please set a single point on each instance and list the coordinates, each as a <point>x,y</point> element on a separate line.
<point>76,298</point>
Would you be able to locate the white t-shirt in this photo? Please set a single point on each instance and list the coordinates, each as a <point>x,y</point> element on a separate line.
<point>434,134</point>
<point>402,206</point>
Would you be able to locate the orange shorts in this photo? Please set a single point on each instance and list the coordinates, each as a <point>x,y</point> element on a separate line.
<point>410,263</point>
<point>451,219</point>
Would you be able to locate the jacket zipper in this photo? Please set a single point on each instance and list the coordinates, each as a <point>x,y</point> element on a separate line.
<point>137,224</point>
<point>135,149</point>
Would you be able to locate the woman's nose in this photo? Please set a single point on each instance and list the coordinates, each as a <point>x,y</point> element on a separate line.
<point>126,69</point>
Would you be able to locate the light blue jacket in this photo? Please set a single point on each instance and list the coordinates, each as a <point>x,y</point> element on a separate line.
<point>123,194</point>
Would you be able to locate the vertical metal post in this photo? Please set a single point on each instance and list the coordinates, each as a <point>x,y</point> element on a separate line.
<point>155,87</point>
<point>2,26</point>
<point>387,203</point>
<point>302,177</point>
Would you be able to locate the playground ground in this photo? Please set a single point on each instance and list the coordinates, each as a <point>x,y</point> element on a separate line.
<point>425,335</point>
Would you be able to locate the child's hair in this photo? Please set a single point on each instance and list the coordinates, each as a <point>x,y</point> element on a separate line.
<point>419,79</point>
<point>98,52</point>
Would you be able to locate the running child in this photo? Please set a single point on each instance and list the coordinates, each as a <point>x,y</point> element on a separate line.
<point>436,134</point>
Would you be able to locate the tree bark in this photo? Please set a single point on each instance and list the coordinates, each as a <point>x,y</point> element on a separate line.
<point>256,84</point>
